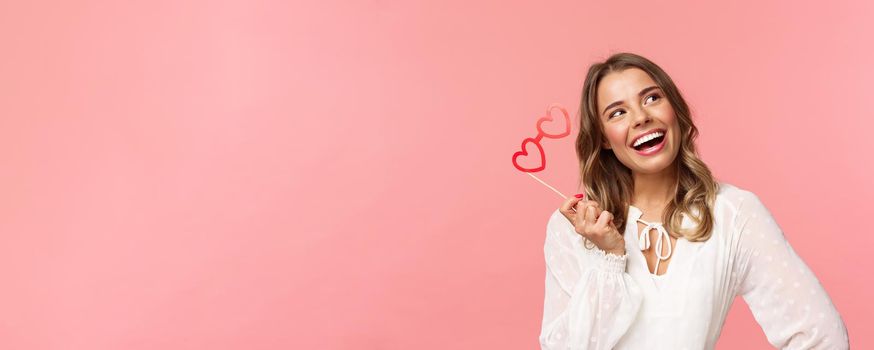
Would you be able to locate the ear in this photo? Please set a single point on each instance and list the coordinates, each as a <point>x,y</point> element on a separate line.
<point>605,145</point>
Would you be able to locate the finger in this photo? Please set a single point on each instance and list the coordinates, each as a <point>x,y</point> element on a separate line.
<point>581,205</point>
<point>598,211</point>
<point>586,201</point>
<point>590,215</point>
<point>578,198</point>
<point>567,207</point>
<point>580,212</point>
<point>604,219</point>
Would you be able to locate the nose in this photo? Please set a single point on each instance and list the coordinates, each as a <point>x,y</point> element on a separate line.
<point>641,118</point>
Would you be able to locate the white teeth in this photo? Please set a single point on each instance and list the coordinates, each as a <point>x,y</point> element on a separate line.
<point>647,138</point>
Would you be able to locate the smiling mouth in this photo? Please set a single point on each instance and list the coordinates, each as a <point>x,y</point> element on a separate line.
<point>650,143</point>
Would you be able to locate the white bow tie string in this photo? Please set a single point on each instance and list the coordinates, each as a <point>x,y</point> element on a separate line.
<point>644,242</point>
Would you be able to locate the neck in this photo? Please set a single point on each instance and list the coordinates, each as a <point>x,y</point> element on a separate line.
<point>654,190</point>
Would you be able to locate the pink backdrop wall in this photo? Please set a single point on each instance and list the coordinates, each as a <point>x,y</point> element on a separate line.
<point>336,175</point>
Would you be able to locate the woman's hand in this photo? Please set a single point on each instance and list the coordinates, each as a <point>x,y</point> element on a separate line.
<point>594,224</point>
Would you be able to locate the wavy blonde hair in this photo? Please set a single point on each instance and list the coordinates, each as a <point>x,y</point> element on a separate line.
<point>609,182</point>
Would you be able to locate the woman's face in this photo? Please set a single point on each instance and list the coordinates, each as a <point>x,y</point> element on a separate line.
<point>631,105</point>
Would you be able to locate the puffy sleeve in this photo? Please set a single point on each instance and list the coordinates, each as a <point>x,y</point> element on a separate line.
<point>784,296</point>
<point>590,301</point>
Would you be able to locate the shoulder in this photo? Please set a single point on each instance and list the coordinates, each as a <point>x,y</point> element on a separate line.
<point>735,198</point>
<point>743,208</point>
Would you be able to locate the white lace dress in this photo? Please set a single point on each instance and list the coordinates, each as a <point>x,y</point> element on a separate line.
<point>595,300</point>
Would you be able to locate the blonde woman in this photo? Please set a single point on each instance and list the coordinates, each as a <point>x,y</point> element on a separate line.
<point>656,252</point>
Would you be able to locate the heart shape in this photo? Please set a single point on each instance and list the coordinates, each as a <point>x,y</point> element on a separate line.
<point>549,118</point>
<point>524,152</point>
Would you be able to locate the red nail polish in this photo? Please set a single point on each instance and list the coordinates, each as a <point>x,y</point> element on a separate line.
<point>579,195</point>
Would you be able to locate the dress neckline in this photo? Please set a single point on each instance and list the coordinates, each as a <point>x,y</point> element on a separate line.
<point>643,242</point>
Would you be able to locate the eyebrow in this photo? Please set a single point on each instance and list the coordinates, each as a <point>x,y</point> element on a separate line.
<point>641,93</point>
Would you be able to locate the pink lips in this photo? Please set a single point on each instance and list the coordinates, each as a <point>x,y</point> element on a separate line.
<point>654,149</point>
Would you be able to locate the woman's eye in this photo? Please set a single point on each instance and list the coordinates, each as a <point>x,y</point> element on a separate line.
<point>655,95</point>
<point>614,113</point>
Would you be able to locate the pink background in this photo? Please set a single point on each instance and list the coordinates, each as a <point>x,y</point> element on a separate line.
<point>265,175</point>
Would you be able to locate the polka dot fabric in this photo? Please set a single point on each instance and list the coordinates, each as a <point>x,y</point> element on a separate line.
<point>785,297</point>
<point>595,300</point>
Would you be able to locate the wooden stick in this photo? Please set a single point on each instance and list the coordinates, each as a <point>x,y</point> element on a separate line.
<point>547,185</point>
<point>585,240</point>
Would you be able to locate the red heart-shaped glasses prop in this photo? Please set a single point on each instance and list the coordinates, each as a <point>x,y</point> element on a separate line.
<point>540,135</point>
<point>524,152</point>
<point>548,118</point>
